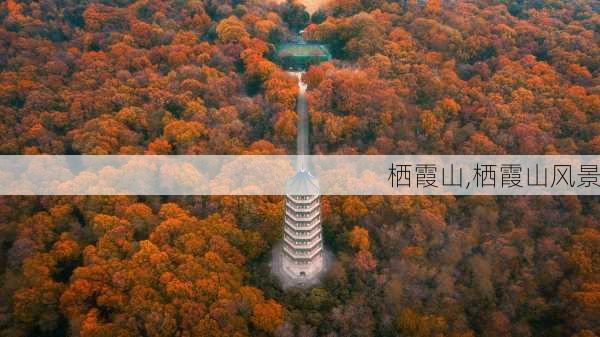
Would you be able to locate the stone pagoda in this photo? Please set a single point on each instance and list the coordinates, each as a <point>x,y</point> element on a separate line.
<point>302,258</point>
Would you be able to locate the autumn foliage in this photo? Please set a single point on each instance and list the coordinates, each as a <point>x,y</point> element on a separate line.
<point>200,77</point>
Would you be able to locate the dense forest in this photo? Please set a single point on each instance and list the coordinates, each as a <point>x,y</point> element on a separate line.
<point>199,77</point>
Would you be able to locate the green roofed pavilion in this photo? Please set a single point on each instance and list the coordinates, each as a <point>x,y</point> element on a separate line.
<point>300,55</point>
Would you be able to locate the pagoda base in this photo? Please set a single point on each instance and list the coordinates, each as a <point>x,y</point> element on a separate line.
<point>301,276</point>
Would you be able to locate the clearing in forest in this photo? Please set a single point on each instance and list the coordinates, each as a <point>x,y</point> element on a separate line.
<point>311,5</point>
